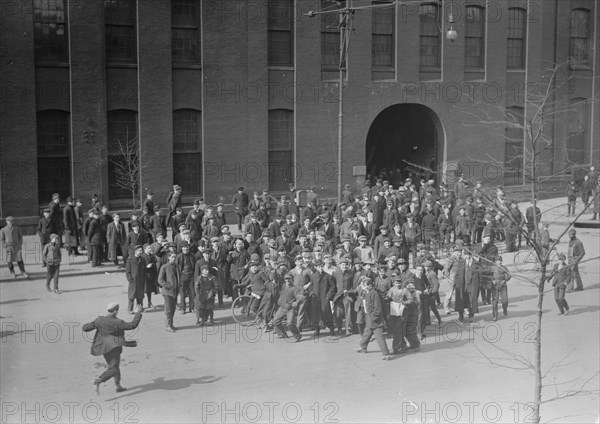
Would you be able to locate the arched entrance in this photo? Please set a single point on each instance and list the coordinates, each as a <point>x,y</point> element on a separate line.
<point>405,140</point>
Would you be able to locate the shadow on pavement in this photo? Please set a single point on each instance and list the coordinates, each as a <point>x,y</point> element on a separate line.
<point>90,288</point>
<point>161,384</point>
<point>7,302</point>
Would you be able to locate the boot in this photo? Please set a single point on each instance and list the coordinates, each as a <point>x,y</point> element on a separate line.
<point>211,315</point>
<point>505,309</point>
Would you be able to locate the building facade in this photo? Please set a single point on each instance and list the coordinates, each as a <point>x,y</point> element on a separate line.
<point>214,94</point>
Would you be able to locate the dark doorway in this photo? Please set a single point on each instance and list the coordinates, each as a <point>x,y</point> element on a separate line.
<point>403,142</point>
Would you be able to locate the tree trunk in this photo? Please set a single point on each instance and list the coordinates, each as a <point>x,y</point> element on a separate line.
<point>537,392</point>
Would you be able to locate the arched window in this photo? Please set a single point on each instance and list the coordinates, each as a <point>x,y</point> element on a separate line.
<point>475,37</point>
<point>123,153</point>
<point>187,150</point>
<point>517,30</point>
<point>54,168</point>
<point>281,148</point>
<point>580,36</point>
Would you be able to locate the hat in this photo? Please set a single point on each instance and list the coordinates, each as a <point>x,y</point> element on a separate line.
<point>428,263</point>
<point>55,196</point>
<point>9,218</point>
<point>401,261</point>
<point>288,277</point>
<point>253,263</point>
<point>53,236</point>
<point>46,210</point>
<point>357,261</point>
<point>313,187</point>
<point>113,306</point>
<point>267,256</point>
<point>69,199</point>
<point>410,286</point>
<point>343,260</point>
<point>362,238</point>
<point>171,245</point>
<point>134,225</point>
<point>137,246</point>
<point>298,258</point>
<point>391,258</point>
<point>208,250</point>
<point>182,226</point>
<point>281,263</point>
<point>196,202</point>
<point>344,239</point>
<point>214,239</point>
<point>459,242</point>
<point>204,267</point>
<point>240,188</point>
<point>254,257</point>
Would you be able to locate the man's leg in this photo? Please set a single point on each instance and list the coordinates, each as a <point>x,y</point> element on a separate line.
<point>291,319</point>
<point>433,307</point>
<point>577,277</point>
<point>170,303</point>
<point>366,338</point>
<point>494,301</point>
<point>11,268</point>
<point>302,318</point>
<point>504,298</point>
<point>563,301</point>
<point>279,315</point>
<point>378,332</point>
<point>348,308</point>
<point>447,300</point>
<point>49,274</point>
<point>338,309</point>
<point>113,360</point>
<point>55,274</point>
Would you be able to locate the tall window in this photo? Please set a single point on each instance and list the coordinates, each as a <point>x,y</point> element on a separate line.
<point>430,37</point>
<point>54,173</point>
<point>580,34</point>
<point>281,144</point>
<point>187,150</point>
<point>517,30</point>
<point>577,126</point>
<point>185,31</point>
<point>50,30</point>
<point>513,148</point>
<point>123,158</point>
<point>330,36</point>
<point>474,37</point>
<point>119,22</point>
<point>281,17</point>
<point>383,36</point>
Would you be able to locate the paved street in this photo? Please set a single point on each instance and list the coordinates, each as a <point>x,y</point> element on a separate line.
<point>228,373</point>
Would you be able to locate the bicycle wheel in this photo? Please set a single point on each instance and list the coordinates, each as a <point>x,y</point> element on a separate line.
<point>241,311</point>
<point>524,260</point>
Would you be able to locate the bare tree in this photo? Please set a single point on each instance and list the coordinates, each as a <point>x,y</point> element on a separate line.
<point>541,108</point>
<point>127,167</point>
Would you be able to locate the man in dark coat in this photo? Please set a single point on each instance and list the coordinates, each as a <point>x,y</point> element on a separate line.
<point>95,238</point>
<point>240,203</point>
<point>117,240</point>
<point>472,281</point>
<point>70,227</point>
<point>321,292</point>
<point>485,254</point>
<point>174,201</point>
<point>136,275</point>
<point>461,300</point>
<point>55,213</point>
<point>169,279</point>
<point>109,341</point>
<point>137,236</point>
<point>45,228</point>
<point>374,325</point>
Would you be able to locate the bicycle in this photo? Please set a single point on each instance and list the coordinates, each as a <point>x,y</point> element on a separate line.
<point>523,258</point>
<point>242,309</point>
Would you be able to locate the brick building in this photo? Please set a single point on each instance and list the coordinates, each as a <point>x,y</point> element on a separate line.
<point>219,93</point>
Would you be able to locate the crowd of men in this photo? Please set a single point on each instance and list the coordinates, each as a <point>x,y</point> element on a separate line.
<point>369,264</point>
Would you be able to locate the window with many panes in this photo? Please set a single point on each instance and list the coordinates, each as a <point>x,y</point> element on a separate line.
<point>580,36</point>
<point>122,151</point>
<point>53,156</point>
<point>119,20</point>
<point>280,33</point>
<point>50,30</point>
<point>513,146</point>
<point>281,145</point>
<point>517,30</point>
<point>577,127</point>
<point>185,31</point>
<point>383,35</point>
<point>330,35</point>
<point>187,150</point>
<point>474,37</point>
<point>430,48</point>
